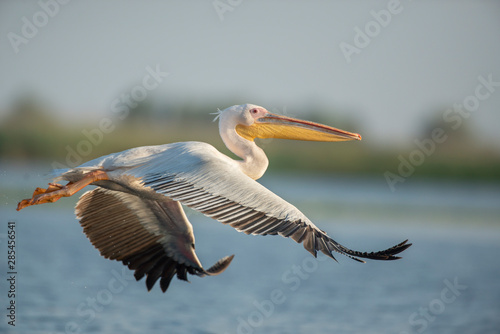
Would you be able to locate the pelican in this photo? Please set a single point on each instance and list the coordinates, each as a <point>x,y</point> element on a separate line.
<point>134,215</point>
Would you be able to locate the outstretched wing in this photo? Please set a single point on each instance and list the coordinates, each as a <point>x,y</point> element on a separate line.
<point>151,237</point>
<point>202,178</point>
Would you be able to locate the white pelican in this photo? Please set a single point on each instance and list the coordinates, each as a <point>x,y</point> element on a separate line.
<point>135,214</point>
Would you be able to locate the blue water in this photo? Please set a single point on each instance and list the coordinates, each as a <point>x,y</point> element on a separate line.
<point>447,282</point>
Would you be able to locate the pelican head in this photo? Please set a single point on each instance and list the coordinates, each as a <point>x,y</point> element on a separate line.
<point>251,121</point>
<point>240,125</point>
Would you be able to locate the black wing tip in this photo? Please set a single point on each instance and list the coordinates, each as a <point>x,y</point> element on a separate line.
<point>387,254</point>
<point>401,247</point>
<point>164,284</point>
<point>359,260</point>
<point>149,285</point>
<point>220,266</point>
<point>384,255</point>
<point>180,271</point>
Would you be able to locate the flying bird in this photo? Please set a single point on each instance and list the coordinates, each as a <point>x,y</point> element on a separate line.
<point>134,215</point>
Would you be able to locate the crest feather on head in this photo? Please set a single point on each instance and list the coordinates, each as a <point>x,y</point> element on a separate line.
<point>216,113</point>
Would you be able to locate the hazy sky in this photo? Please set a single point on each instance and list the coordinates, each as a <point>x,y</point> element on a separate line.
<point>279,54</point>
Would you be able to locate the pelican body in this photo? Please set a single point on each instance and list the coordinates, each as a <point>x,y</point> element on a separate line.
<point>134,215</point>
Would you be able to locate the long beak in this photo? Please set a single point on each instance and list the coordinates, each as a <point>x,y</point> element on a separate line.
<point>276,126</point>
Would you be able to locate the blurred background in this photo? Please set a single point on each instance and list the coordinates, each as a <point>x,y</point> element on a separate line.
<point>420,81</point>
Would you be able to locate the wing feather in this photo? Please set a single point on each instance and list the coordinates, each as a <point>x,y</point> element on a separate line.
<point>213,184</point>
<point>144,234</point>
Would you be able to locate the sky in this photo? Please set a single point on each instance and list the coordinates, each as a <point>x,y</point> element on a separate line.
<point>387,65</point>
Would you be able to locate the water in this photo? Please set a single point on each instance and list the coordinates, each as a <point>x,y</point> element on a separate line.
<point>447,282</point>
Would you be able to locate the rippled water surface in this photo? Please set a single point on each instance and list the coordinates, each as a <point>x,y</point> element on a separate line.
<point>447,282</point>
